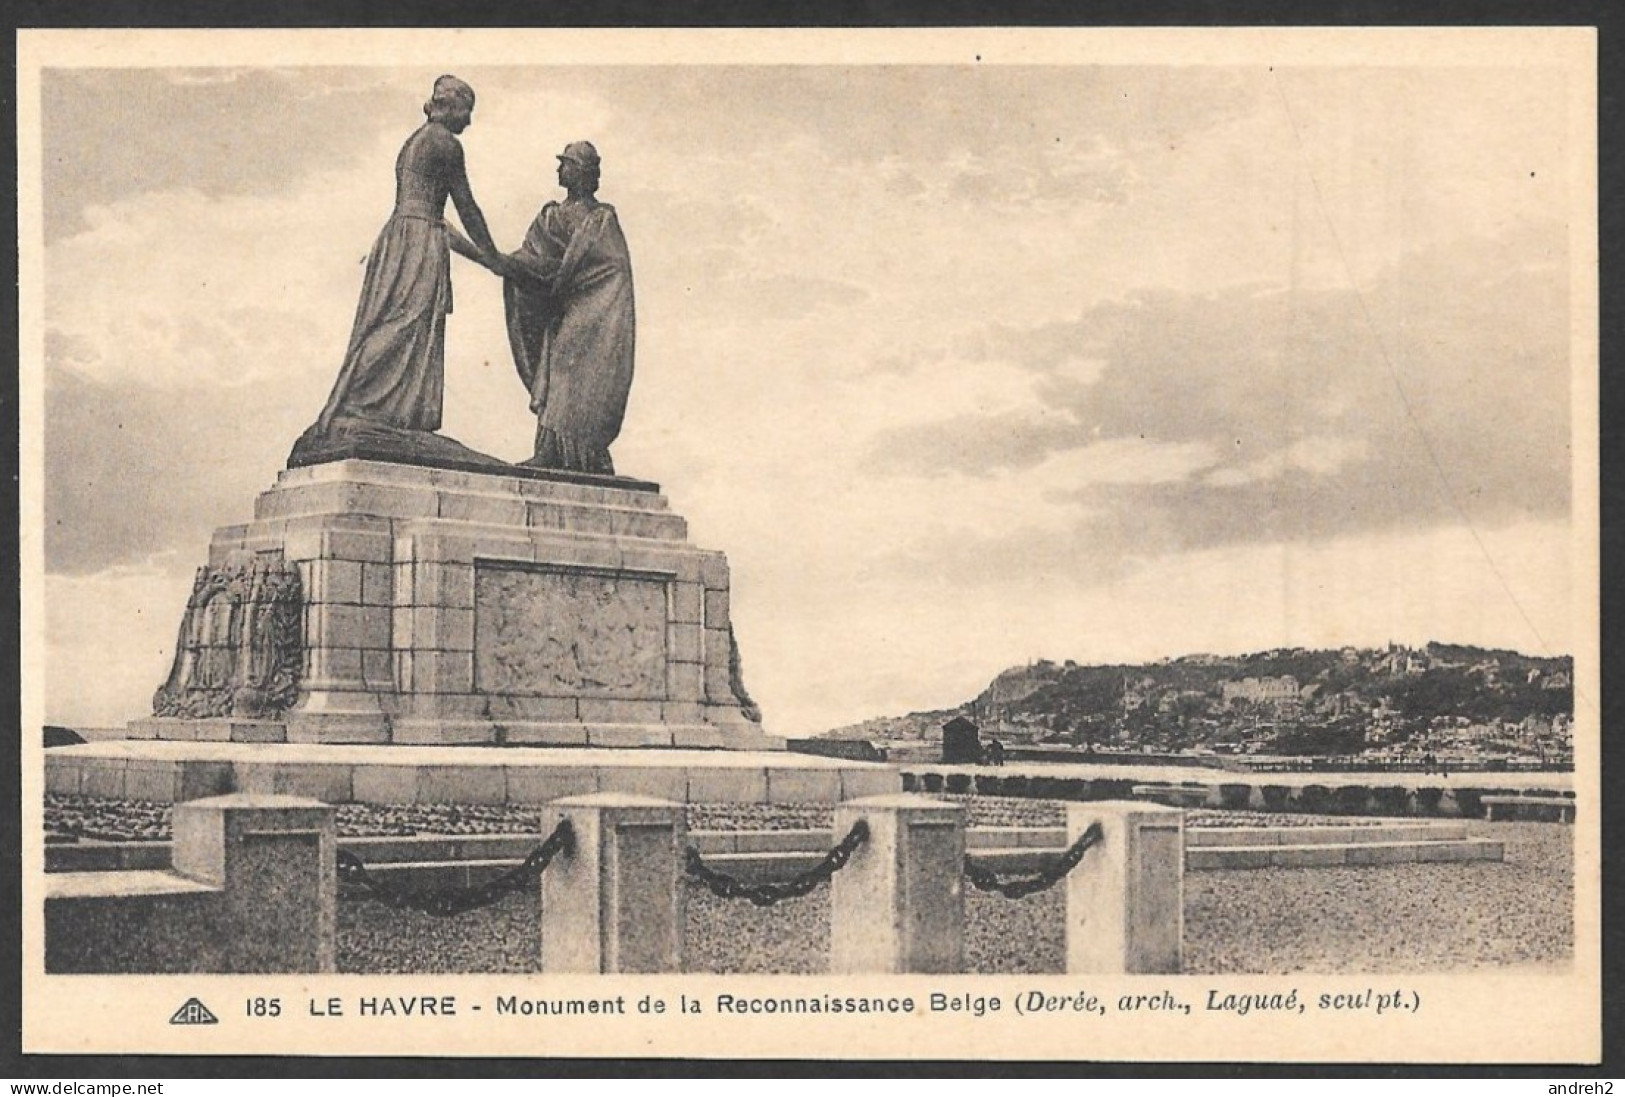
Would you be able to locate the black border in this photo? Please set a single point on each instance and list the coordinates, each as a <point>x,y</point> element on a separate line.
<point>375,14</point>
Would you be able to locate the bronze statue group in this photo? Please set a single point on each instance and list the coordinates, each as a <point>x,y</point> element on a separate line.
<point>567,294</point>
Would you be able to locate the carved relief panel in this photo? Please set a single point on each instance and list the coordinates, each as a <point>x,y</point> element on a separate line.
<point>562,632</point>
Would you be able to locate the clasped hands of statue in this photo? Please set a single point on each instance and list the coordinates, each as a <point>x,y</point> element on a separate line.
<point>503,266</point>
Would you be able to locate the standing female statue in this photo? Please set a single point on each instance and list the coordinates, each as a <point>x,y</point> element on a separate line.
<point>393,377</point>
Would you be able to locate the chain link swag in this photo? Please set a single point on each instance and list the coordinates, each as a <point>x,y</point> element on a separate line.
<point>447,901</point>
<point>765,895</point>
<point>1022,886</point>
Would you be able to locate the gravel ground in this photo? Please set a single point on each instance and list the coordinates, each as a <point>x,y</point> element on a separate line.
<point>1392,918</point>
<point>1216,817</point>
<point>76,818</point>
<point>1379,919</point>
<point>1002,936</point>
<point>71,818</point>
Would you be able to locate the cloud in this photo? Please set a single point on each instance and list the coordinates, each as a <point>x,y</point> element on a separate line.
<point>1437,395</point>
<point>181,289</point>
<point>781,296</point>
<point>1043,597</point>
<point>977,443</point>
<point>1005,118</point>
<point>189,78</point>
<point>1037,180</point>
<point>109,638</point>
<point>126,480</point>
<point>1319,456</point>
<point>113,134</point>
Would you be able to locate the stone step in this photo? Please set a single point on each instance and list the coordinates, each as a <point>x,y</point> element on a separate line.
<point>760,841</point>
<point>108,857</point>
<point>170,771</point>
<point>1328,856</point>
<point>1332,834</point>
<point>432,875</point>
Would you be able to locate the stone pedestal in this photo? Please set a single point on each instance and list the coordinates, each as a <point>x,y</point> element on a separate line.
<point>898,906</point>
<point>1125,902</point>
<point>446,606</point>
<point>615,904</point>
<point>254,890</point>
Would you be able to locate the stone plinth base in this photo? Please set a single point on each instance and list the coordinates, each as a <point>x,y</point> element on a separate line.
<point>211,729</point>
<point>174,771</point>
<point>448,606</point>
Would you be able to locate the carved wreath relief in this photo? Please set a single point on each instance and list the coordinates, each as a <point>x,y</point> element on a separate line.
<point>240,649</point>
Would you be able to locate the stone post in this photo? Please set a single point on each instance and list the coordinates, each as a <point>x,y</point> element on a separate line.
<point>616,904</point>
<point>898,907</point>
<point>274,859</point>
<point>1125,900</point>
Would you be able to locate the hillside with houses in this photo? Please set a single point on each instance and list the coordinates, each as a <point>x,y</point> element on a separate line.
<point>1394,703</point>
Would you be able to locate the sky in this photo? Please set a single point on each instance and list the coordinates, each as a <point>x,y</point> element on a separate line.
<point>962,365</point>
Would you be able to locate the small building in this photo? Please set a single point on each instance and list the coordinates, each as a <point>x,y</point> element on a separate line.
<point>1282,690</point>
<point>961,742</point>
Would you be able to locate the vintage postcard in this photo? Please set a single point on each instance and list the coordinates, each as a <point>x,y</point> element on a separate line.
<point>964,544</point>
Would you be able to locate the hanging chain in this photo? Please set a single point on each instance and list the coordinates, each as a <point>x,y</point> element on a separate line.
<point>448,901</point>
<point>765,895</point>
<point>1022,886</point>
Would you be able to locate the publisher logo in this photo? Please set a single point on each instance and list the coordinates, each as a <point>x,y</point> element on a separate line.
<point>194,1012</point>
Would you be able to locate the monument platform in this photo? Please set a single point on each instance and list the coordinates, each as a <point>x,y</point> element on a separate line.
<point>441,606</point>
<point>169,772</point>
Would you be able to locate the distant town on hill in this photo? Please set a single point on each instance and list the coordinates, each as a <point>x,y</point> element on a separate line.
<point>1396,703</point>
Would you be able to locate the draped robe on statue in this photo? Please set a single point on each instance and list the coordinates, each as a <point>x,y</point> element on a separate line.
<point>570,325</point>
<point>394,370</point>
<point>386,403</point>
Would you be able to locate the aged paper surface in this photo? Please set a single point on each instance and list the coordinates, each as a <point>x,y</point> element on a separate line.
<point>867,264</point>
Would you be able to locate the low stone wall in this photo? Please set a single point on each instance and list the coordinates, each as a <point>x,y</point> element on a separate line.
<point>854,750</point>
<point>1336,794</point>
<point>171,772</point>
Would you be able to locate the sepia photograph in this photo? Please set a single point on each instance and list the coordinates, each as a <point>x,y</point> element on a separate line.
<point>968,544</point>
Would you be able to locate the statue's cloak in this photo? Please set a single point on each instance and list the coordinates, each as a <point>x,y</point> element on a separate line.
<point>395,367</point>
<point>571,327</point>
